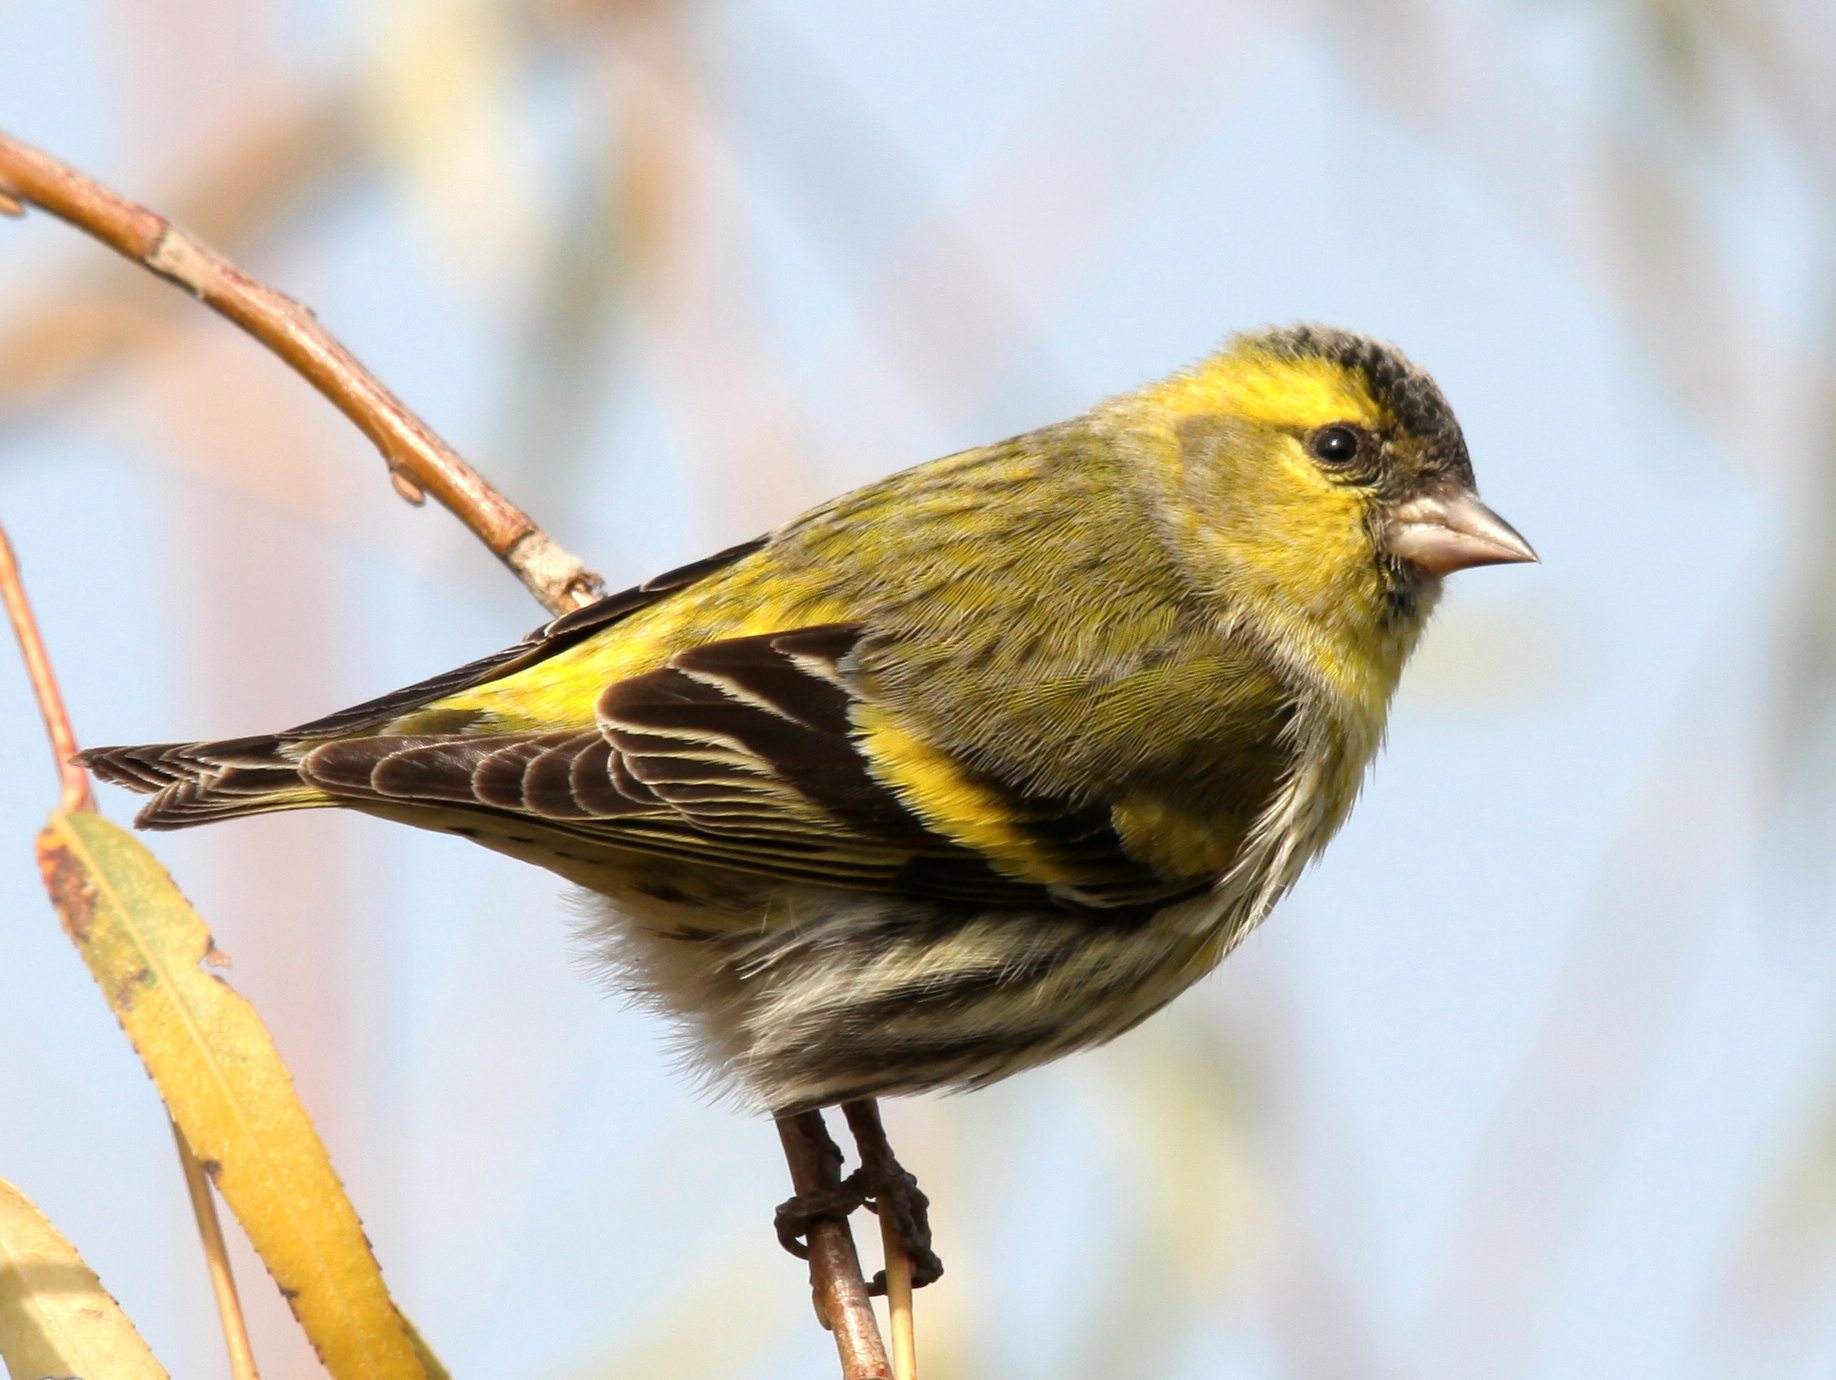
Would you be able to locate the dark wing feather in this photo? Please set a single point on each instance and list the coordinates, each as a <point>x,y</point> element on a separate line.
<point>740,754</point>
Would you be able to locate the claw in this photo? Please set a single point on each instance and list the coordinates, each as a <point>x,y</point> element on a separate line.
<point>796,1214</point>
<point>894,1194</point>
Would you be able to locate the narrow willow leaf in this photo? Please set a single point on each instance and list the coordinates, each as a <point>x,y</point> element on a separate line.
<point>223,1081</point>
<point>55,1316</point>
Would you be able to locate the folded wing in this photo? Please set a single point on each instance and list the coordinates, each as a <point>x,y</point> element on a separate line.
<point>745,754</point>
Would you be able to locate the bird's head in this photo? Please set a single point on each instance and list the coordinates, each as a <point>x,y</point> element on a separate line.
<point>1317,480</point>
<point>1318,477</point>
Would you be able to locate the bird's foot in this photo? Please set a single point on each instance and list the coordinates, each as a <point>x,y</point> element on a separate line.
<point>797,1214</point>
<point>892,1191</point>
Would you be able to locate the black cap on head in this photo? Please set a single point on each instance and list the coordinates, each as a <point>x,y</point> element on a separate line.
<point>1414,399</point>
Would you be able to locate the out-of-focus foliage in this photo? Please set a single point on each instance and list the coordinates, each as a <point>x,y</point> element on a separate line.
<point>441,92</point>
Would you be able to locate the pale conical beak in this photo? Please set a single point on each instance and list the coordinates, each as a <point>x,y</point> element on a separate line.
<point>1452,530</point>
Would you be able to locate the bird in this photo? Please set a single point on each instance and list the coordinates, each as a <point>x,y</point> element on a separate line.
<point>977,765</point>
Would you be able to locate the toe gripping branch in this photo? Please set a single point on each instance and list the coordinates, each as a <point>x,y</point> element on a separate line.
<point>883,1186</point>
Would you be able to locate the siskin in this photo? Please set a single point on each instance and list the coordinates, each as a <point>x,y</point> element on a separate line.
<point>969,768</point>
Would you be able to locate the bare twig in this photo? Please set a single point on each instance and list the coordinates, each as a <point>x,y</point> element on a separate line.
<point>74,795</point>
<point>419,462</point>
<point>418,459</point>
<point>863,1116</point>
<point>281,160</point>
<point>73,781</point>
<point>216,1259</point>
<point>835,1267</point>
<point>899,1303</point>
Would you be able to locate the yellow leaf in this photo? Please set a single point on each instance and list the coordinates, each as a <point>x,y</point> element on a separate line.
<point>55,1316</point>
<point>224,1083</point>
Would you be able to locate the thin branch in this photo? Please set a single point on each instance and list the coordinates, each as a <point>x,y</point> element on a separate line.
<point>74,795</point>
<point>863,1116</point>
<point>419,463</point>
<point>835,1266</point>
<point>901,1323</point>
<point>216,1259</point>
<point>73,781</point>
<point>281,159</point>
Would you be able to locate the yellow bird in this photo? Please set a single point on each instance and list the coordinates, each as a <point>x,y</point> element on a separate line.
<point>964,770</point>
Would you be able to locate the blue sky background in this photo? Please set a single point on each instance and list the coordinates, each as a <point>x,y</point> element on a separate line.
<point>1531,1077</point>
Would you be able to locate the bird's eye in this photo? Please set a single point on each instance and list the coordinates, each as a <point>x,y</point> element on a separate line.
<point>1335,445</point>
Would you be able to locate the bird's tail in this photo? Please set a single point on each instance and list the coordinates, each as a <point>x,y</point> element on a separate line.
<point>196,783</point>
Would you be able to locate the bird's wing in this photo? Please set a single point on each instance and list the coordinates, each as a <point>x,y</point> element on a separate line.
<point>762,754</point>
<point>556,635</point>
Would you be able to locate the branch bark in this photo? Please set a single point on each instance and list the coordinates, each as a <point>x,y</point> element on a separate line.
<point>420,464</point>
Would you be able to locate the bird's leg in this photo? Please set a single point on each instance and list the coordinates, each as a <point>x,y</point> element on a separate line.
<point>827,1196</point>
<point>892,1191</point>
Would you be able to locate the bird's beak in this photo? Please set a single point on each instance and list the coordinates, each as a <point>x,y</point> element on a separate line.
<point>1450,530</point>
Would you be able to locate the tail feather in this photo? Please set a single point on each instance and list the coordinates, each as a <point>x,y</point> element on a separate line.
<point>196,783</point>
